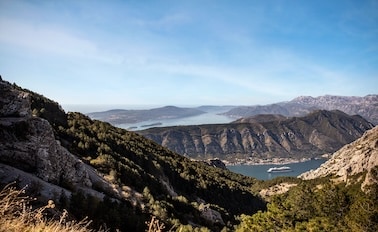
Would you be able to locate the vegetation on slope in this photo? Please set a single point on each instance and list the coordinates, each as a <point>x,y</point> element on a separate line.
<point>318,205</point>
<point>178,191</point>
<point>171,184</point>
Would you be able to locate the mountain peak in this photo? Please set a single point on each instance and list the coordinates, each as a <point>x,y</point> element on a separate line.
<point>366,106</point>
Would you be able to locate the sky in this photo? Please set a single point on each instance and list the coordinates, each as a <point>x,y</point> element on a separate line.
<point>197,52</point>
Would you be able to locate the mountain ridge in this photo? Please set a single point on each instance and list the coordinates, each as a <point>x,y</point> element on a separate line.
<point>366,106</point>
<point>309,136</point>
<point>261,118</point>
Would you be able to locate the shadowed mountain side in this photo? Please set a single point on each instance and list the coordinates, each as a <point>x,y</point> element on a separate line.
<point>261,118</point>
<point>313,135</point>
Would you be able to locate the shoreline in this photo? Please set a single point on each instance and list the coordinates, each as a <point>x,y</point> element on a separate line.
<point>274,161</point>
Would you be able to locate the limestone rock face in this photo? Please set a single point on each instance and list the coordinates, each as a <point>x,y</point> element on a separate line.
<point>28,142</point>
<point>354,158</point>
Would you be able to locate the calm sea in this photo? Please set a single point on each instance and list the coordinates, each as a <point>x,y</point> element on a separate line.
<point>207,118</point>
<point>260,171</point>
<point>212,117</point>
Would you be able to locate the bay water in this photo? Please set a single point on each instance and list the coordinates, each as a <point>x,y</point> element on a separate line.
<point>260,171</point>
<point>206,118</point>
<point>210,117</point>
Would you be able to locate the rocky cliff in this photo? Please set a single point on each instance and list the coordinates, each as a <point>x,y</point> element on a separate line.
<point>366,106</point>
<point>355,158</point>
<point>28,145</point>
<point>315,134</point>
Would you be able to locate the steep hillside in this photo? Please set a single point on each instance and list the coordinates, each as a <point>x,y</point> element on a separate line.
<point>341,195</point>
<point>315,134</point>
<point>366,106</point>
<point>355,158</point>
<point>113,176</point>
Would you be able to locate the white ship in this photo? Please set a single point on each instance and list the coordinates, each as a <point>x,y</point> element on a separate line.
<point>279,169</point>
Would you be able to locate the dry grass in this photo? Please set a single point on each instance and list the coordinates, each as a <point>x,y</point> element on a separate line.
<point>16,215</point>
<point>155,225</point>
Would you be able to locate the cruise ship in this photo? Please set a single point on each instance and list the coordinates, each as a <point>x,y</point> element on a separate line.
<point>279,169</point>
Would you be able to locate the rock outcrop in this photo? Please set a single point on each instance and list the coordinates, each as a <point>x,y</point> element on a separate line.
<point>217,163</point>
<point>211,215</point>
<point>33,148</point>
<point>28,142</point>
<point>13,103</point>
<point>29,149</point>
<point>354,158</point>
<point>299,137</point>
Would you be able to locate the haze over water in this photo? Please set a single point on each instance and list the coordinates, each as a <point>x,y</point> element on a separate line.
<point>211,117</point>
<point>206,118</point>
<point>90,108</point>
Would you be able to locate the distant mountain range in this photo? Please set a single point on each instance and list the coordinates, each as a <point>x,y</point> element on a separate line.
<point>366,106</point>
<point>120,116</point>
<point>268,136</point>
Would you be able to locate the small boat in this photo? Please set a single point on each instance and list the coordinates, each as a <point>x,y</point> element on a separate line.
<point>279,169</point>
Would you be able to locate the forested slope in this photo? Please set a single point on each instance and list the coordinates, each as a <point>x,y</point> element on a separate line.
<point>113,176</point>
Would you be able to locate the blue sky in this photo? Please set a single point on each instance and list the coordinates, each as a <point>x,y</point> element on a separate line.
<point>189,52</point>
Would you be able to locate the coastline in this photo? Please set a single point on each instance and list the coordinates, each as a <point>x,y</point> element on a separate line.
<point>260,170</point>
<point>272,161</point>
